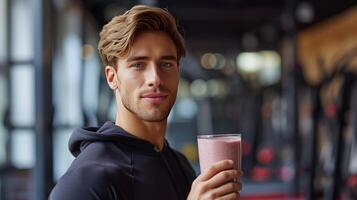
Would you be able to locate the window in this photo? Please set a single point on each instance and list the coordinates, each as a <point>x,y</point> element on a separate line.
<point>3,31</point>
<point>22,148</point>
<point>3,132</point>
<point>3,81</point>
<point>66,88</point>
<point>22,95</point>
<point>63,157</point>
<point>22,31</point>
<point>67,71</point>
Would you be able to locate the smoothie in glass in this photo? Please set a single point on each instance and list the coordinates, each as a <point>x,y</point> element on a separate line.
<point>214,148</point>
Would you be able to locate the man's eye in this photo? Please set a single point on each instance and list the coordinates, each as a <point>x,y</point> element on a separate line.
<point>166,65</point>
<point>137,65</point>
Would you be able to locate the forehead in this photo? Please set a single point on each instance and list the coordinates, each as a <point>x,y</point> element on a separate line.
<point>151,44</point>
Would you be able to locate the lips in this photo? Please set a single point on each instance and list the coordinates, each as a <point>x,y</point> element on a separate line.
<point>155,97</point>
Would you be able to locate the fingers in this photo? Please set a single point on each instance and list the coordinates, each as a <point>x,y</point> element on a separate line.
<point>220,181</point>
<point>230,187</point>
<point>240,172</point>
<point>231,196</point>
<point>223,177</point>
<point>216,168</point>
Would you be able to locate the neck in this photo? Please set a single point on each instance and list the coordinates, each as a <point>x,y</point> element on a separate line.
<point>153,132</point>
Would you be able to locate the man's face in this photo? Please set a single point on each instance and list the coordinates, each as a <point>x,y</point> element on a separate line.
<point>148,77</point>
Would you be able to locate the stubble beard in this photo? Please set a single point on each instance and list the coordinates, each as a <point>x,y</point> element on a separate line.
<point>155,114</point>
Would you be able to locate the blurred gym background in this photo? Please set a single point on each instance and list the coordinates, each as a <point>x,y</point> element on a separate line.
<point>281,72</point>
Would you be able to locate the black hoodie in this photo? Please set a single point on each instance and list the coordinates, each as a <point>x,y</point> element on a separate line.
<point>112,164</point>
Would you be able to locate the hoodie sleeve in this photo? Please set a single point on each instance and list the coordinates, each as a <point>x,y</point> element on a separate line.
<point>92,182</point>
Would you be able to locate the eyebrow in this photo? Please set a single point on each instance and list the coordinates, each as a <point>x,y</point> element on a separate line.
<point>168,58</point>
<point>136,58</point>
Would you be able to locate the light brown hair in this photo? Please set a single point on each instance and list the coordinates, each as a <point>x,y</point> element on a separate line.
<point>118,36</point>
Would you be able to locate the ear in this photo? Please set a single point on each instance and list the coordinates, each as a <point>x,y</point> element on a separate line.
<point>111,76</point>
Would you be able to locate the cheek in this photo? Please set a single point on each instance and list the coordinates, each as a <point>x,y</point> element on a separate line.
<point>172,77</point>
<point>125,80</point>
<point>172,86</point>
<point>130,88</point>
<point>175,81</point>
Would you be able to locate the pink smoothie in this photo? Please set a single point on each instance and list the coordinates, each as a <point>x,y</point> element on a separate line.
<point>217,148</point>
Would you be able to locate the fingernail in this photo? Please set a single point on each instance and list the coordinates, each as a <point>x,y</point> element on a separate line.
<point>230,162</point>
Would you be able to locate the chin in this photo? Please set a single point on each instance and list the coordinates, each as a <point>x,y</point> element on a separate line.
<point>154,117</point>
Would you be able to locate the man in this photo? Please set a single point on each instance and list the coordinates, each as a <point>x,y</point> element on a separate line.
<point>131,159</point>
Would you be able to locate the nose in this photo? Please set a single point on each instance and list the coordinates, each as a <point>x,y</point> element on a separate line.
<point>153,76</point>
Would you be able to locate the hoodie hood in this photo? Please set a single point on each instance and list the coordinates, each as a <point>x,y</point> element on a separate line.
<point>113,164</point>
<point>109,132</point>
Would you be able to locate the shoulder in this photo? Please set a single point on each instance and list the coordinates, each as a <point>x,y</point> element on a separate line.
<point>94,172</point>
<point>89,181</point>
